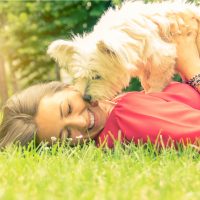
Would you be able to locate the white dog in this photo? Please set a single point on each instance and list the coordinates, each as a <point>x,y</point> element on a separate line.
<point>135,40</point>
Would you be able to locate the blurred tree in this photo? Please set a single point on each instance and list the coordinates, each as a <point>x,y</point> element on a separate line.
<point>117,2</point>
<point>3,83</point>
<point>197,2</point>
<point>29,27</point>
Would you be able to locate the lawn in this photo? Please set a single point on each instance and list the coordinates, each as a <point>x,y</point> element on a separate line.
<point>90,173</point>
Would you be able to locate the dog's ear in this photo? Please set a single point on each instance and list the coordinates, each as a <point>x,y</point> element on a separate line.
<point>61,51</point>
<point>105,49</point>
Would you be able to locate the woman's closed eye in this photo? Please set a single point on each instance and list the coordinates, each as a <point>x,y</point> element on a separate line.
<point>69,109</point>
<point>65,109</point>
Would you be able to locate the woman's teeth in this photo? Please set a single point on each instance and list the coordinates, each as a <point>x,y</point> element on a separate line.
<point>91,120</point>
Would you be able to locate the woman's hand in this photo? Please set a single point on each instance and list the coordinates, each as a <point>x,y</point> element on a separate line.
<point>185,36</point>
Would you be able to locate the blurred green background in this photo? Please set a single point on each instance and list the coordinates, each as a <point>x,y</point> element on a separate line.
<point>28,27</point>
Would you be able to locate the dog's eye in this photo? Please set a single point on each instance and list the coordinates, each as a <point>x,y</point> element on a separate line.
<point>97,77</point>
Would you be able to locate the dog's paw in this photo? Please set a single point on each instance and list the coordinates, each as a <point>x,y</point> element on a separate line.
<point>183,28</point>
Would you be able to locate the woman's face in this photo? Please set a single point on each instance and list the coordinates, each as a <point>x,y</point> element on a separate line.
<point>66,115</point>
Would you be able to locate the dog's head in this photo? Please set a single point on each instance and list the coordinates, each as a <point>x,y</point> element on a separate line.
<point>95,67</point>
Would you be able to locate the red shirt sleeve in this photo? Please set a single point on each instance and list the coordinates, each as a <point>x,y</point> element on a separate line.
<point>173,114</point>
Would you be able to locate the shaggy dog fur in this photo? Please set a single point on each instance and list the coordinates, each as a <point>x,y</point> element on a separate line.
<point>135,40</point>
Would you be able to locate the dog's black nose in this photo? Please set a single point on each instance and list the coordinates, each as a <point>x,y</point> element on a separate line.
<point>87,97</point>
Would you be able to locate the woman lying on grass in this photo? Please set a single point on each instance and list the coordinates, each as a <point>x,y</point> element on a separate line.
<point>57,111</point>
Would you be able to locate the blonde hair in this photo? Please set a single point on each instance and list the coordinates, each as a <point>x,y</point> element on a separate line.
<point>18,124</point>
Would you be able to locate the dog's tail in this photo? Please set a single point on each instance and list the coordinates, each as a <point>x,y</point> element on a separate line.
<point>61,51</point>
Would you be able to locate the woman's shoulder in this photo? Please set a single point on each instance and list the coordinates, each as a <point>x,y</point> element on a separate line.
<point>174,92</point>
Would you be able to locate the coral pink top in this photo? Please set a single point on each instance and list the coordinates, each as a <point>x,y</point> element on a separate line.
<point>173,115</point>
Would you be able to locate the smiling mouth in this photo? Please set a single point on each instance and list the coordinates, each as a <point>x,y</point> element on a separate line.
<point>91,125</point>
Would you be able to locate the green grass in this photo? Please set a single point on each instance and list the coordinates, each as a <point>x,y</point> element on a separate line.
<point>87,172</point>
<point>91,173</point>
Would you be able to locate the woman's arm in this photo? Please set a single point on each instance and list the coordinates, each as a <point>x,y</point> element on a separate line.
<point>188,60</point>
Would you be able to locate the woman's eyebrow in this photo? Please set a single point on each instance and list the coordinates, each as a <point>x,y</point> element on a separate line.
<point>61,108</point>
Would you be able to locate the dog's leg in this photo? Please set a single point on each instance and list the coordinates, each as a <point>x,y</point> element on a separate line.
<point>160,75</point>
<point>144,83</point>
<point>159,80</point>
<point>144,76</point>
<point>159,83</point>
